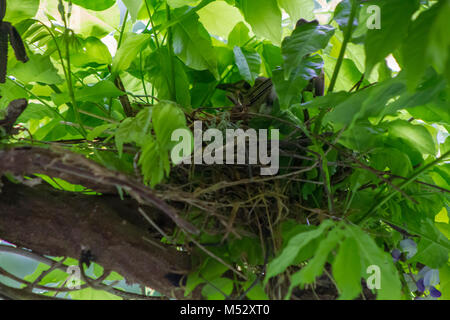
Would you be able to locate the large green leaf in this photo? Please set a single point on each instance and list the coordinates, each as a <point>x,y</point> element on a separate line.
<point>167,117</point>
<point>97,5</point>
<point>211,290</point>
<point>295,244</point>
<point>96,93</point>
<point>315,266</point>
<point>133,7</point>
<point>395,19</point>
<point>439,46</point>
<point>347,269</point>
<point>433,248</point>
<point>416,136</point>
<point>290,91</point>
<point>134,130</point>
<point>239,36</point>
<point>94,52</point>
<point>192,44</point>
<point>219,18</point>
<point>38,69</point>
<point>415,46</point>
<point>248,63</point>
<point>131,46</point>
<point>372,255</point>
<point>264,17</point>
<point>305,39</point>
<point>17,11</point>
<point>169,84</point>
<point>298,9</point>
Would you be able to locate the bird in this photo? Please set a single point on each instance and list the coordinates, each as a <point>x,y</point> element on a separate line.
<point>261,97</point>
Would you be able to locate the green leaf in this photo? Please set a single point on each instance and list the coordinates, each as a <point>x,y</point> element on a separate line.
<point>264,18</point>
<point>289,91</point>
<point>348,76</point>
<point>239,36</point>
<point>169,87</point>
<point>372,255</point>
<point>17,11</point>
<point>131,46</point>
<point>218,289</point>
<point>298,9</point>
<point>305,39</point>
<point>38,69</point>
<point>315,266</point>
<point>416,136</point>
<point>347,269</point>
<point>438,48</point>
<point>192,44</point>
<point>181,3</point>
<point>97,5</point>
<point>397,161</point>
<point>92,294</point>
<point>433,248</point>
<point>134,130</point>
<point>154,162</point>
<point>444,275</point>
<point>94,52</point>
<point>296,243</point>
<point>133,7</point>
<point>99,130</point>
<point>395,19</point>
<point>167,117</point>
<point>248,63</point>
<point>219,18</point>
<point>415,46</point>
<point>35,112</point>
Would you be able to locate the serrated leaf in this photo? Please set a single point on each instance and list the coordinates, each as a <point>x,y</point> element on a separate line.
<point>347,269</point>
<point>167,117</point>
<point>134,130</point>
<point>296,243</point>
<point>315,266</point>
<point>372,255</point>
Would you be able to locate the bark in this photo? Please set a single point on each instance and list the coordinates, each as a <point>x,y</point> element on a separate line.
<point>57,223</point>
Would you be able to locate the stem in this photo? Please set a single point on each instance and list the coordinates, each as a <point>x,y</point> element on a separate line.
<point>347,37</point>
<point>142,77</point>
<point>170,49</point>
<point>401,186</point>
<point>122,30</point>
<point>151,23</point>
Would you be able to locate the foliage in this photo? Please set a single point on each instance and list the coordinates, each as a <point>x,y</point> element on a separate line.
<point>377,142</point>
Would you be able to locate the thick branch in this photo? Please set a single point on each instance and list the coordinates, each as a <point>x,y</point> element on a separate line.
<point>58,223</point>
